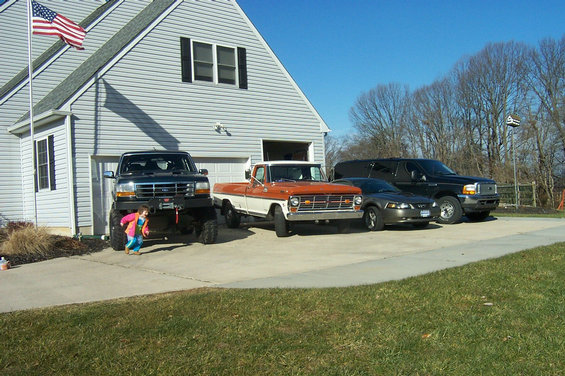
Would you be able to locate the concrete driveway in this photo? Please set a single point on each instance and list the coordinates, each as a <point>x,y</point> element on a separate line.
<point>253,257</point>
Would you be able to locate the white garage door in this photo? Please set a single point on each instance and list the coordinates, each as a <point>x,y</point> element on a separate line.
<point>223,170</point>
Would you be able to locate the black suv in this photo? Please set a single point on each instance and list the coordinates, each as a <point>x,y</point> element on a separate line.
<point>177,194</point>
<point>455,194</point>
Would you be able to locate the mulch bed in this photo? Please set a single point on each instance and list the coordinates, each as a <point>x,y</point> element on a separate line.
<point>64,247</point>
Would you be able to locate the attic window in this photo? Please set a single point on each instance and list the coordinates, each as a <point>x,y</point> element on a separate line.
<point>203,62</point>
<point>213,63</point>
<point>226,65</point>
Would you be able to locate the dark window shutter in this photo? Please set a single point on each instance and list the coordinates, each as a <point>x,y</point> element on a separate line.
<point>242,67</point>
<point>186,61</point>
<point>35,182</point>
<point>51,148</point>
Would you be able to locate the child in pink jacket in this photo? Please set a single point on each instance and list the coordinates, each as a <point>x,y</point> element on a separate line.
<point>137,228</point>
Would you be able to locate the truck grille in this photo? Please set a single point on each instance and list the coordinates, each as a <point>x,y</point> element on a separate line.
<point>164,190</point>
<point>487,188</point>
<point>325,202</point>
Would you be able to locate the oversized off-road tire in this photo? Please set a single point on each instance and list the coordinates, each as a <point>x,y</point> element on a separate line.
<point>450,210</point>
<point>281,224</point>
<point>373,218</point>
<point>420,224</point>
<point>206,227</point>
<point>118,236</point>
<point>478,216</point>
<point>233,218</point>
<point>343,226</point>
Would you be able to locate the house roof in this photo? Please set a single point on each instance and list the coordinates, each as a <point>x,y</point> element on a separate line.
<point>51,51</point>
<point>69,86</point>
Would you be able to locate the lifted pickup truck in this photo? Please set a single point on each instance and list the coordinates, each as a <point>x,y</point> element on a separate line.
<point>177,194</point>
<point>456,195</point>
<point>287,192</point>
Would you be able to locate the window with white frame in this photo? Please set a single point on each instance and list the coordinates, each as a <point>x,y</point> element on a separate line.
<point>45,164</point>
<point>213,63</point>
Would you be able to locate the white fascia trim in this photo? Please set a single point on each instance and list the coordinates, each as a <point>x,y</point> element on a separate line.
<point>120,55</point>
<point>323,126</point>
<point>48,63</point>
<point>38,120</point>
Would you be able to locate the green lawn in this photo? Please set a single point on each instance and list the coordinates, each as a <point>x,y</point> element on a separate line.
<point>496,317</point>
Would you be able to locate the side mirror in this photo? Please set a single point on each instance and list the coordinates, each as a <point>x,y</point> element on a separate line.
<point>203,171</point>
<point>109,174</point>
<point>247,174</point>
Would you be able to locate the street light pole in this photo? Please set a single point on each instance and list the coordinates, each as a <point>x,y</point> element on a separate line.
<point>514,121</point>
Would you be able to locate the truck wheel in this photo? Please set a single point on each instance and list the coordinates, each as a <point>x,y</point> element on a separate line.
<point>207,227</point>
<point>281,224</point>
<point>233,218</point>
<point>451,211</point>
<point>373,218</point>
<point>117,233</point>
<point>478,216</point>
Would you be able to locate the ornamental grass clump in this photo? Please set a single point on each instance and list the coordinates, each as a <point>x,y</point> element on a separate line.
<point>28,241</point>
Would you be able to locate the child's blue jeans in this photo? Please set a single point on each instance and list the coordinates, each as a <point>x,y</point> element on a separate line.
<point>134,242</point>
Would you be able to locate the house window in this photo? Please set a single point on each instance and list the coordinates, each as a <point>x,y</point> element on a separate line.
<point>226,65</point>
<point>213,63</point>
<point>45,164</point>
<point>203,62</point>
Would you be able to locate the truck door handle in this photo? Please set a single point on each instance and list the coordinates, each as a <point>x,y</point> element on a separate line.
<point>432,184</point>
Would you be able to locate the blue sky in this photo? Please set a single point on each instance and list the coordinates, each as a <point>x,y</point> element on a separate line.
<point>337,49</point>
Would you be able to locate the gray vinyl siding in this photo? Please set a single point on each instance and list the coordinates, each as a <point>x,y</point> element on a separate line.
<point>52,205</point>
<point>141,102</point>
<point>16,104</point>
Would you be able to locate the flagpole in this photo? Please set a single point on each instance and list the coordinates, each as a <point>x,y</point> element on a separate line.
<point>30,72</point>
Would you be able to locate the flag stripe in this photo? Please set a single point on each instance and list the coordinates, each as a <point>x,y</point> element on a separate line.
<point>47,22</point>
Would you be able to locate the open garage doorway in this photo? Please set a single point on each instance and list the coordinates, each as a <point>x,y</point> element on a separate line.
<point>286,150</point>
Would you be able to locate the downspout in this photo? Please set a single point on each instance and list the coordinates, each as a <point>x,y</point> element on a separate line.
<point>71,176</point>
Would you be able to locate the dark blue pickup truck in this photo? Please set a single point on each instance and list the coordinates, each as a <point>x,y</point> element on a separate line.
<point>456,195</point>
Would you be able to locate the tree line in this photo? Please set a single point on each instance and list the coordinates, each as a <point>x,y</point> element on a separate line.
<point>460,119</point>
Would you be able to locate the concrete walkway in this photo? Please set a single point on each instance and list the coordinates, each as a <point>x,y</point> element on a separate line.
<point>253,257</point>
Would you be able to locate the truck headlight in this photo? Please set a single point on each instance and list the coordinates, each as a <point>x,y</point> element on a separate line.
<point>125,190</point>
<point>470,189</point>
<point>294,201</point>
<point>202,188</point>
<point>398,205</point>
<point>358,200</point>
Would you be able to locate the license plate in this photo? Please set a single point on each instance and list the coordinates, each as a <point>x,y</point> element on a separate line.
<point>425,213</point>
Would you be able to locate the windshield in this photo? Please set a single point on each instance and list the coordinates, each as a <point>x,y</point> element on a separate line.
<point>436,168</point>
<point>377,186</point>
<point>296,173</point>
<point>156,163</point>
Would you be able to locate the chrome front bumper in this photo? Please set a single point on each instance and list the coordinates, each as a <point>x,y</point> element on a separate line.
<point>323,215</point>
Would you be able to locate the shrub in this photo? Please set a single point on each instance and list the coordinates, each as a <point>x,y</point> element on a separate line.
<point>28,240</point>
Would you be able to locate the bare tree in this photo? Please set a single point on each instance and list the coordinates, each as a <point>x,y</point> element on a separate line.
<point>492,84</point>
<point>380,117</point>
<point>547,80</point>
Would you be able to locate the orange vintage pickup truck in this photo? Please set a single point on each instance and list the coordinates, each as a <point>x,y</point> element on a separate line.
<point>287,192</point>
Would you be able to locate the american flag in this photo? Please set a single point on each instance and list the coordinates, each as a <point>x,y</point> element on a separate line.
<point>47,22</point>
